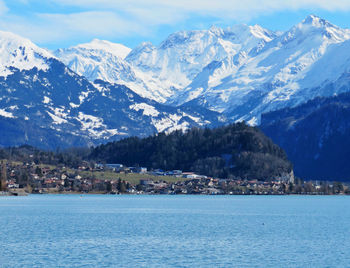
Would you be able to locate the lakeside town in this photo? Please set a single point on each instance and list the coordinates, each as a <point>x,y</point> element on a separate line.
<point>30,178</point>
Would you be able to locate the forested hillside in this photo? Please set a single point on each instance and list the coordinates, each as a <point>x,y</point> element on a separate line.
<point>315,136</point>
<point>236,150</point>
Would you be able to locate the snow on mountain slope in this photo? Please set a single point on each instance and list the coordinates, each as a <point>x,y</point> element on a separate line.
<point>281,73</point>
<point>334,66</point>
<point>240,71</point>
<point>178,59</point>
<point>105,60</point>
<point>159,72</point>
<point>20,53</point>
<point>96,62</point>
<point>58,108</point>
<point>203,78</point>
<point>117,50</point>
<point>46,104</point>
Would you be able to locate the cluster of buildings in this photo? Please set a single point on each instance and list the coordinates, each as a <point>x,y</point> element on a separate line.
<point>46,179</point>
<point>212,186</point>
<point>43,179</point>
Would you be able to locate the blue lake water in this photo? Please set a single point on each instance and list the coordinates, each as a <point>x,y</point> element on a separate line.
<point>174,231</point>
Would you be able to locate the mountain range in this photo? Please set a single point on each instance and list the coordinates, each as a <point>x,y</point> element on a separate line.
<point>241,72</point>
<point>100,91</point>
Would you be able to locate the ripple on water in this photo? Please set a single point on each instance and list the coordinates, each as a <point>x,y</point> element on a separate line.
<point>178,231</point>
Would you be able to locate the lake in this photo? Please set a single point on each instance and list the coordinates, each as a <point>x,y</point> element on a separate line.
<point>174,231</point>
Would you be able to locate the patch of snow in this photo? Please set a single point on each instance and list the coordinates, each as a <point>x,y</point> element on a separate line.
<point>253,121</point>
<point>83,96</point>
<point>96,128</point>
<point>114,132</point>
<point>90,121</point>
<point>56,119</point>
<point>4,113</point>
<point>73,105</point>
<point>46,100</point>
<point>13,107</point>
<point>148,110</point>
<point>195,119</point>
<point>170,123</point>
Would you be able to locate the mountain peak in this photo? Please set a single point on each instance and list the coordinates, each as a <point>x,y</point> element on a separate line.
<point>316,21</point>
<point>116,49</point>
<point>144,47</point>
<point>10,40</point>
<point>315,28</point>
<point>21,53</point>
<point>216,30</point>
<point>262,33</point>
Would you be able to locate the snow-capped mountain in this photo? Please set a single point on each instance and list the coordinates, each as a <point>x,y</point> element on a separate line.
<point>98,60</point>
<point>46,104</point>
<point>104,60</point>
<point>102,91</point>
<point>58,108</point>
<point>159,72</point>
<point>291,69</point>
<point>117,50</point>
<point>179,59</point>
<point>240,71</point>
<point>20,53</point>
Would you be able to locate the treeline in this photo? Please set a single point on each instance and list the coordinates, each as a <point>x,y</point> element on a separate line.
<point>233,151</point>
<point>236,150</point>
<point>71,157</point>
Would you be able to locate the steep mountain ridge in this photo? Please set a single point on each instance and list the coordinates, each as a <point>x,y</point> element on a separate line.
<point>315,136</point>
<point>105,60</point>
<point>241,71</point>
<point>279,74</point>
<point>21,53</point>
<point>193,78</point>
<point>159,72</point>
<point>58,108</point>
<point>46,104</point>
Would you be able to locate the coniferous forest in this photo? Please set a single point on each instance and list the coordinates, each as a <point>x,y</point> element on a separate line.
<point>236,150</point>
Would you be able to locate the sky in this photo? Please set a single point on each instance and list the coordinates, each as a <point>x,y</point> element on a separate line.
<point>64,23</point>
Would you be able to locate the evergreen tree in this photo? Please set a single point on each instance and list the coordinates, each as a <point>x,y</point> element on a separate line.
<point>121,187</point>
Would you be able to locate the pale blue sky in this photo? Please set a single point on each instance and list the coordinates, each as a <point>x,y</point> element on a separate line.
<point>63,23</point>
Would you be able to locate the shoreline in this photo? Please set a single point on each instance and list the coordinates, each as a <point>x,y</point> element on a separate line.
<point>155,194</point>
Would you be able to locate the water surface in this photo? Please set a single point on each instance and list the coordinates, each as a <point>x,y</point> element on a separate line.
<point>174,231</point>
